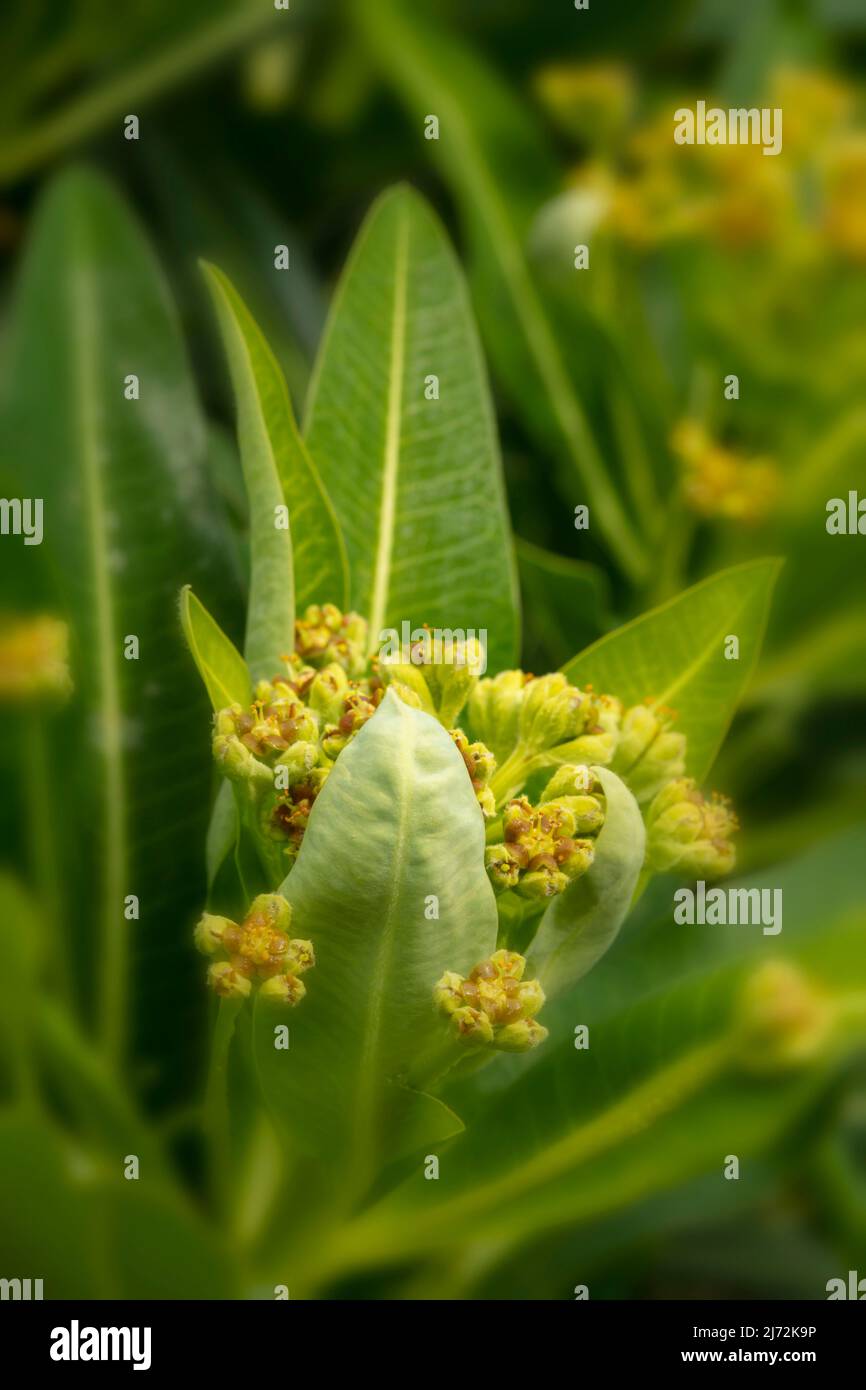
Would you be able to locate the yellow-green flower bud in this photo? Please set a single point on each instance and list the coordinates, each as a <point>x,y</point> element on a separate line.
<point>577,790</point>
<point>209,931</point>
<point>542,882</point>
<point>480,764</point>
<point>270,910</point>
<point>601,724</point>
<point>237,762</point>
<point>502,868</point>
<point>283,989</point>
<point>648,753</point>
<point>227,981</point>
<point>359,705</point>
<point>494,711</point>
<point>530,997</point>
<point>471,1025</point>
<point>520,1036</point>
<point>300,956</point>
<point>327,691</point>
<point>298,761</point>
<point>781,1020</point>
<point>326,635</point>
<point>688,833</point>
<point>509,965</point>
<point>446,995</point>
<point>552,712</point>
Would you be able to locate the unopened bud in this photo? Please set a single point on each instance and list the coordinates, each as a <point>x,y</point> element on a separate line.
<point>471,1025</point>
<point>326,635</point>
<point>480,764</point>
<point>494,711</point>
<point>688,833</point>
<point>503,870</point>
<point>227,981</point>
<point>648,752</point>
<point>521,1036</point>
<point>781,1019</point>
<point>209,931</point>
<point>283,989</point>
<point>327,692</point>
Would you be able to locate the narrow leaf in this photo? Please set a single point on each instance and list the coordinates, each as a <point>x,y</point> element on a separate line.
<point>501,173</point>
<point>127,522</point>
<point>219,663</point>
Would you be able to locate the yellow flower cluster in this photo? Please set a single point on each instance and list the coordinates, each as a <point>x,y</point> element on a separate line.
<point>493,1004</point>
<point>258,949</point>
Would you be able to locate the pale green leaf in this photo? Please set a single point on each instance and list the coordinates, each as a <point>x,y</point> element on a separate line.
<point>285,467</point>
<point>395,823</point>
<point>219,663</point>
<point>416,482</point>
<point>675,655</point>
<point>580,924</point>
<point>270,628</point>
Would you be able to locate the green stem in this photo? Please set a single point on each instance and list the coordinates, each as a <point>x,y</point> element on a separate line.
<point>374,1235</point>
<point>216,1110</point>
<point>43,849</point>
<point>508,779</point>
<point>131,89</point>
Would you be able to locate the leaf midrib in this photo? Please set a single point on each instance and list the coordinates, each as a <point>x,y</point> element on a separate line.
<point>366,1106</point>
<point>393,424</point>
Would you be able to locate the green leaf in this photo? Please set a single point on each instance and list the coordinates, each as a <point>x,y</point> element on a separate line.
<point>675,655</point>
<point>581,923</point>
<point>396,822</point>
<point>161,1248</point>
<point>565,602</point>
<point>223,831</point>
<point>101,71</point>
<point>128,521</point>
<point>416,483</point>
<point>22,950</point>
<point>219,663</point>
<point>262,405</point>
<point>278,469</point>
<point>536,1153</point>
<point>50,1216</point>
<point>488,143</point>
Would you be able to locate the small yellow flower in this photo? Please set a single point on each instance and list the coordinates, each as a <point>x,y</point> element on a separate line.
<point>720,483</point>
<point>258,949</point>
<point>34,654</point>
<point>493,1003</point>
